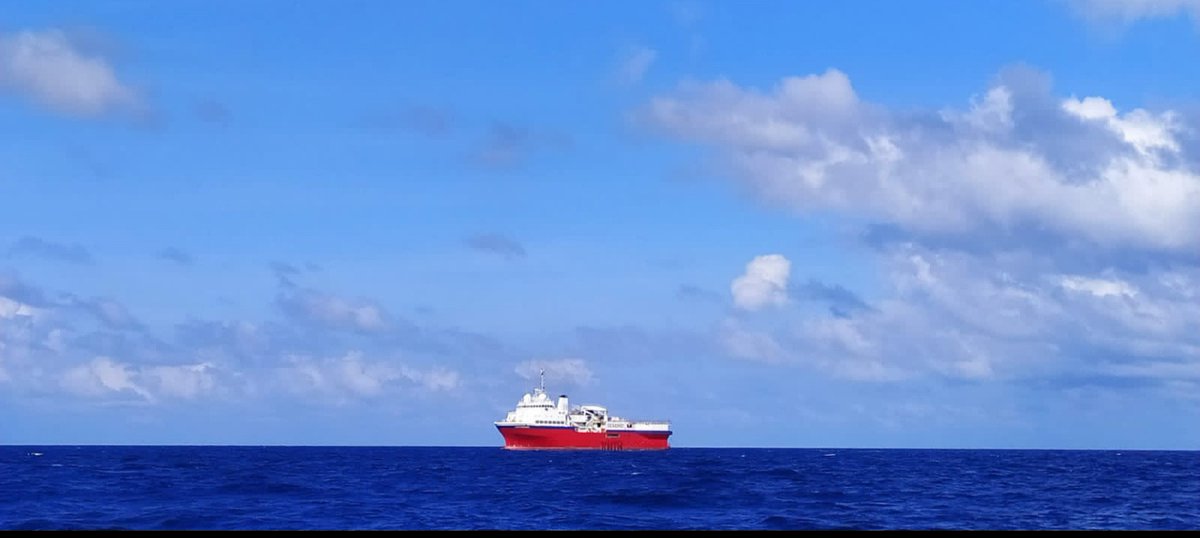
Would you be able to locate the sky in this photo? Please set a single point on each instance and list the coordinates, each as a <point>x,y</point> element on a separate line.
<point>934,224</point>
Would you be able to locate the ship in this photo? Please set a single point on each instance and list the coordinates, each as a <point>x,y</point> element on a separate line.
<point>538,423</point>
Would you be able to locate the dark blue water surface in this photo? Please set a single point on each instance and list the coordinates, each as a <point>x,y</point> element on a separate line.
<point>91,487</point>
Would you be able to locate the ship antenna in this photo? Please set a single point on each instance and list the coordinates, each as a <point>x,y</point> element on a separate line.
<point>542,374</point>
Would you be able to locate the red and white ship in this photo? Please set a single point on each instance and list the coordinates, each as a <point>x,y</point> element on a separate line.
<point>539,423</point>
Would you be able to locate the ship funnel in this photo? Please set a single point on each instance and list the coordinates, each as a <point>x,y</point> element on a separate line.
<point>562,403</point>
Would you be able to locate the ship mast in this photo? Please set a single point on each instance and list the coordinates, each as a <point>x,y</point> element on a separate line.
<point>542,374</point>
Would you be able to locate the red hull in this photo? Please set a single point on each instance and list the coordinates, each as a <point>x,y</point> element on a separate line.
<point>542,438</point>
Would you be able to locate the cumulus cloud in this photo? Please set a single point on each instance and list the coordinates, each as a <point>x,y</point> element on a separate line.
<point>69,344</point>
<point>182,381</point>
<point>1147,133</point>
<point>763,284</point>
<point>496,244</point>
<point>970,317</point>
<point>999,167</point>
<point>44,350</point>
<point>48,68</point>
<point>95,350</point>
<point>568,371</point>
<point>104,377</point>
<point>634,64</point>
<point>1005,230</point>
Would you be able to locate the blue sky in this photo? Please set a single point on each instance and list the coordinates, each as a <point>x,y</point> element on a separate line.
<point>850,224</point>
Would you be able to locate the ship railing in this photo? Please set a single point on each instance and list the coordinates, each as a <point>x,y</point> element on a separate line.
<point>649,423</point>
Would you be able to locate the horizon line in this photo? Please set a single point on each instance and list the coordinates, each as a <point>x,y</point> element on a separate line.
<point>500,447</point>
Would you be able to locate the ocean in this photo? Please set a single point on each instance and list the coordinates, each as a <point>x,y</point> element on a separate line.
<point>205,487</point>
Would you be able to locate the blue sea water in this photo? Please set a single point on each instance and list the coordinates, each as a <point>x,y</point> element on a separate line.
<point>177,487</point>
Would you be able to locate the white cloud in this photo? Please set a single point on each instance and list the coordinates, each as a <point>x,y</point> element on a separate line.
<point>433,379</point>
<point>990,204</point>
<point>994,316</point>
<point>1004,164</point>
<point>333,311</point>
<point>67,345</point>
<point>993,113</point>
<point>102,377</point>
<point>635,64</point>
<point>48,68</point>
<point>55,344</point>
<point>763,284</point>
<point>362,378</point>
<point>184,381</point>
<point>351,375</point>
<point>28,331</point>
<point>10,308</point>
<point>835,346</point>
<point>569,371</point>
<point>1098,286</point>
<point>1145,131</point>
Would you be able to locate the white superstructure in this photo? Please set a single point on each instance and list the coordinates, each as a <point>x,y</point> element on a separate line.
<point>536,409</point>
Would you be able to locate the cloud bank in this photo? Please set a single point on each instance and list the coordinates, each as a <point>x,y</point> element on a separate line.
<point>1022,236</point>
<point>1016,158</point>
<point>324,347</point>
